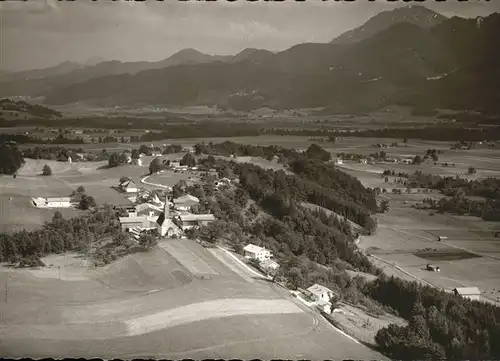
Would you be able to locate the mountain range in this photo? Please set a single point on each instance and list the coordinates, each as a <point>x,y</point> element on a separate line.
<point>409,56</point>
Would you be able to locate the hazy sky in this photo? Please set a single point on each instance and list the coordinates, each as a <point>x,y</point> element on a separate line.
<point>41,33</point>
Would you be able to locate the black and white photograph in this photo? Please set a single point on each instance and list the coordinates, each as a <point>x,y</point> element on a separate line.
<point>250,179</point>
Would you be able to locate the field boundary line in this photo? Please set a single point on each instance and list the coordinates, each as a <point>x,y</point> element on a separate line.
<point>405,272</point>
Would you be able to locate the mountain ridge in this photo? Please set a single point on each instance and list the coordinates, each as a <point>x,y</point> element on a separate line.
<point>414,14</point>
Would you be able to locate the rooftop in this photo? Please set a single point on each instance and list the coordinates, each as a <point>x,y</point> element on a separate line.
<point>253,248</point>
<point>188,198</point>
<point>58,199</point>
<point>145,206</point>
<point>133,219</point>
<point>196,217</point>
<point>318,289</point>
<point>467,290</point>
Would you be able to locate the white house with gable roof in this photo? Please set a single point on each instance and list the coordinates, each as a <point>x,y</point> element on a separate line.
<point>255,252</point>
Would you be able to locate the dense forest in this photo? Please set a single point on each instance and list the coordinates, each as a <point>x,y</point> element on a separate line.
<point>314,181</point>
<point>10,158</point>
<point>442,325</point>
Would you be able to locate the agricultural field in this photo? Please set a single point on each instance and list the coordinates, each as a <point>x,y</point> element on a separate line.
<point>155,304</point>
<point>17,211</point>
<point>407,240</point>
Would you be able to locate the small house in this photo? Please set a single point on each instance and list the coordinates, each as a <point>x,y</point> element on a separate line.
<point>269,266</point>
<point>185,202</point>
<point>319,292</point>
<point>252,251</point>
<point>363,161</point>
<point>442,238</point>
<point>432,268</point>
<point>472,293</point>
<point>129,186</point>
<point>339,161</point>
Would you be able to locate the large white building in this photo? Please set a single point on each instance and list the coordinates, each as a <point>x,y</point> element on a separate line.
<point>255,252</point>
<point>52,202</point>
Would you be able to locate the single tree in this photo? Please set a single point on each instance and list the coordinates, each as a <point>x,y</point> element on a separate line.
<point>384,206</point>
<point>46,170</point>
<point>147,241</point>
<point>154,166</point>
<point>188,160</point>
<point>471,170</point>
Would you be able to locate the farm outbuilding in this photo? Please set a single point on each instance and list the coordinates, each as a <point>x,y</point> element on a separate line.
<point>52,202</point>
<point>472,293</point>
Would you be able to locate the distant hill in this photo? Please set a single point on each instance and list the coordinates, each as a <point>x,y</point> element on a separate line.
<point>94,60</point>
<point>413,14</point>
<point>58,69</point>
<point>11,110</point>
<point>306,75</point>
<point>251,54</point>
<point>32,83</point>
<point>455,64</point>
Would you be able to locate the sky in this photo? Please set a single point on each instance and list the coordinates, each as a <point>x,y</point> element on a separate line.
<point>42,33</point>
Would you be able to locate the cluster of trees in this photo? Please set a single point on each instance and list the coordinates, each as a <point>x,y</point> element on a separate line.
<point>439,133</point>
<point>10,158</point>
<point>441,325</point>
<point>59,235</point>
<point>117,159</point>
<point>52,153</point>
<point>458,190</point>
<point>84,201</point>
<point>27,139</point>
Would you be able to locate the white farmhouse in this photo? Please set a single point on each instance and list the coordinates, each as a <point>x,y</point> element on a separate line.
<point>320,293</point>
<point>255,252</point>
